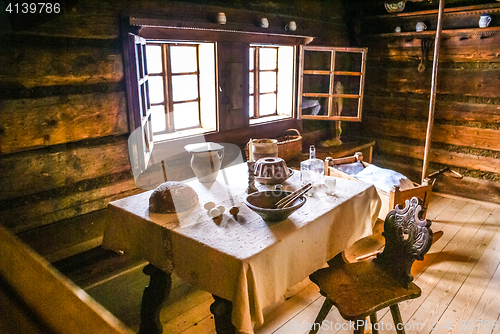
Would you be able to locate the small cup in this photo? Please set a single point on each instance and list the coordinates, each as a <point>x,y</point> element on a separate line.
<point>420,26</point>
<point>307,176</point>
<point>292,26</point>
<point>330,184</point>
<point>221,18</point>
<point>484,21</point>
<point>264,23</point>
<point>397,29</point>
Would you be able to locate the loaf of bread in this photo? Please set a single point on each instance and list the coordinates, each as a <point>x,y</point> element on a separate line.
<point>170,197</point>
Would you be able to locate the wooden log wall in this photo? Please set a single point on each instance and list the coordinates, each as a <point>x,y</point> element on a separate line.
<point>63,119</point>
<point>466,133</point>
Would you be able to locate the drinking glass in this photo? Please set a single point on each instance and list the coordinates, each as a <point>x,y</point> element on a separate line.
<point>330,184</point>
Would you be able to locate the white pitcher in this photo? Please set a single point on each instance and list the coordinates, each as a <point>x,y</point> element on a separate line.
<point>206,160</point>
<point>484,21</point>
<point>420,26</point>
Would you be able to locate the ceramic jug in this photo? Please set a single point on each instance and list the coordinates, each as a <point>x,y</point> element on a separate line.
<point>484,21</point>
<point>420,26</point>
<point>206,160</point>
<point>221,18</point>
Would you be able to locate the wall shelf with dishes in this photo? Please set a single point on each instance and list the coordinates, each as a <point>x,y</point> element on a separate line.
<point>466,33</point>
<point>468,21</point>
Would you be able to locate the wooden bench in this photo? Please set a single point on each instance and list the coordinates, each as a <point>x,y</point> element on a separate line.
<point>72,246</point>
<point>35,298</point>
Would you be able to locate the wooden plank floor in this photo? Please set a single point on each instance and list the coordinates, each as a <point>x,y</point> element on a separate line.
<point>459,278</point>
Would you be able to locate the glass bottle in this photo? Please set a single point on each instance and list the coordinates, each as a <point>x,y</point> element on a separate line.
<point>313,169</point>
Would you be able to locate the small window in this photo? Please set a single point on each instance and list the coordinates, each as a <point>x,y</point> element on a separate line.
<point>271,82</point>
<point>332,82</point>
<point>182,87</point>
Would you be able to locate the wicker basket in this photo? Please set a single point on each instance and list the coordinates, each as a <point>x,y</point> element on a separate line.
<point>290,145</point>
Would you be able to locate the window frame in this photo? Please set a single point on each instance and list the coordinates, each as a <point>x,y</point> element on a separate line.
<point>256,81</point>
<point>332,73</point>
<point>231,37</point>
<point>274,117</point>
<point>167,75</point>
<point>141,141</point>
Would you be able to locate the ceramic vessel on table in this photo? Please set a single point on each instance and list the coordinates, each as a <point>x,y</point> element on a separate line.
<point>262,148</point>
<point>206,160</point>
<point>271,170</point>
<point>264,202</point>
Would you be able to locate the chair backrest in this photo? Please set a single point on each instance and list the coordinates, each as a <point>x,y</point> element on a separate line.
<point>408,237</point>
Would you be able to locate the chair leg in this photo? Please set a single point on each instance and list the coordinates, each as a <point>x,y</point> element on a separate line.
<point>325,309</point>
<point>373,320</point>
<point>360,329</point>
<point>396,316</point>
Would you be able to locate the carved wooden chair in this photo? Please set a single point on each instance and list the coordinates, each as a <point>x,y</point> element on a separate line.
<point>360,289</point>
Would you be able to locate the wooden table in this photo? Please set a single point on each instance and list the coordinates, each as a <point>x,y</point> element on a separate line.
<point>246,263</point>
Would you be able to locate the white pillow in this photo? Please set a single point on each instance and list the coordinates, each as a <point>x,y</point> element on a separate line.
<point>352,168</point>
<point>382,178</point>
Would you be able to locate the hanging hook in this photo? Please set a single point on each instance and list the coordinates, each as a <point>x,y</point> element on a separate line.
<point>423,50</point>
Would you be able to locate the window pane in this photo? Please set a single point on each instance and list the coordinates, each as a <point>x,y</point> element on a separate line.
<point>348,61</point>
<point>285,80</point>
<point>183,59</point>
<point>345,107</point>
<point>251,108</point>
<point>184,87</point>
<point>252,58</point>
<point>316,106</point>
<point>267,104</point>
<point>267,58</point>
<point>347,84</point>
<point>313,83</point>
<point>158,118</point>
<point>250,83</point>
<point>153,54</point>
<point>186,115</point>
<point>156,89</point>
<point>144,98</point>
<point>317,60</point>
<point>207,86</point>
<point>267,82</point>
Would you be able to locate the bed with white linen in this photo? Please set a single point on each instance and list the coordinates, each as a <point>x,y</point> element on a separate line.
<point>393,187</point>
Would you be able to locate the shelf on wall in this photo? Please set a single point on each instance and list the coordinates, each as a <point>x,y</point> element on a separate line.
<point>465,10</point>
<point>160,26</point>
<point>457,21</point>
<point>445,33</point>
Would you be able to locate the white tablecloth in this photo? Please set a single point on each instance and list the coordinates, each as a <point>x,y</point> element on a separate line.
<point>247,261</point>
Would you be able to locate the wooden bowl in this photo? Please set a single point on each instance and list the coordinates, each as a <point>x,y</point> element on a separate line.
<point>263,203</point>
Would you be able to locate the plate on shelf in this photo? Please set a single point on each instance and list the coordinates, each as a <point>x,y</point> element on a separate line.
<point>396,7</point>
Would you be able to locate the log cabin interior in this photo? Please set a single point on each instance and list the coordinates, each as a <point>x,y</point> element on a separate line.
<point>70,122</point>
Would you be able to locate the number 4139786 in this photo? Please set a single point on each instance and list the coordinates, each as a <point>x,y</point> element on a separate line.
<point>33,8</point>
<point>463,324</point>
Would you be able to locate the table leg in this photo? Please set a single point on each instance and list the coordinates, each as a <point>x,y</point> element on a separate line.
<point>221,309</point>
<point>155,294</point>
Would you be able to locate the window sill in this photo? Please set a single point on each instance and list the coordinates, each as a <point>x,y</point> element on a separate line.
<point>180,134</point>
<point>269,119</point>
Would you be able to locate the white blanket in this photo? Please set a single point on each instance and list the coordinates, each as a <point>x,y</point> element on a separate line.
<point>383,179</point>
